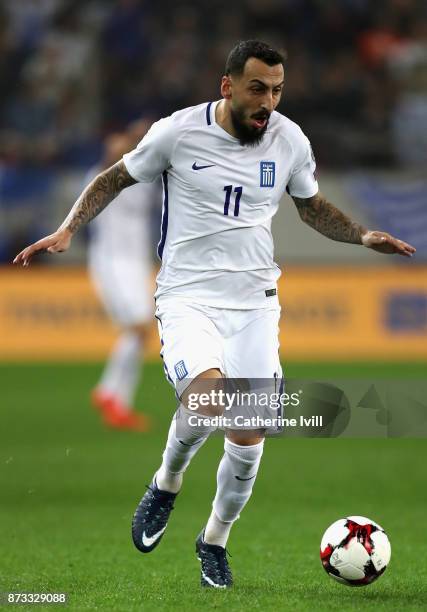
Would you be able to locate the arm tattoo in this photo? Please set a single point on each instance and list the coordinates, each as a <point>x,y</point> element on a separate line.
<point>328,220</point>
<point>97,195</point>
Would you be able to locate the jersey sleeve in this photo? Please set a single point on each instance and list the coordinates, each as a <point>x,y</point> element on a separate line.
<point>152,155</point>
<point>303,183</point>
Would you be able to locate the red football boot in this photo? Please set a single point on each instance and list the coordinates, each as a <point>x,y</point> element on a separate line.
<point>117,415</point>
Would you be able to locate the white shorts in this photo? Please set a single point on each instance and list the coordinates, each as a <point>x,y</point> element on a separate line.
<point>124,287</point>
<point>196,338</point>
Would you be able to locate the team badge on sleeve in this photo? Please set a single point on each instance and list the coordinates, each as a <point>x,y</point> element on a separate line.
<point>181,370</point>
<point>267,173</point>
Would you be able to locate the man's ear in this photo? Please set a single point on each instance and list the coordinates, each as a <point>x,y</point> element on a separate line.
<point>226,87</point>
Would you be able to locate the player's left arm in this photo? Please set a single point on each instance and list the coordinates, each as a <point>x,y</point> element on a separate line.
<point>325,218</point>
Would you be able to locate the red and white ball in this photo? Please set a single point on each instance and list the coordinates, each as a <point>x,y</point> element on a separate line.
<point>355,551</point>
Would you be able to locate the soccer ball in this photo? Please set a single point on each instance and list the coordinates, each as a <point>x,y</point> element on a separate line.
<point>355,551</point>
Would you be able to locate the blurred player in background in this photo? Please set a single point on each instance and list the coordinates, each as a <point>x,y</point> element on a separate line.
<point>120,268</point>
<point>225,167</point>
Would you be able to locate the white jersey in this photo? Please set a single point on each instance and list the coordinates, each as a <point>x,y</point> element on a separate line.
<point>219,199</point>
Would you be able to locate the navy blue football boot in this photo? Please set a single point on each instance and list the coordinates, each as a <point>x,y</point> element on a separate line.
<point>215,571</point>
<point>151,517</point>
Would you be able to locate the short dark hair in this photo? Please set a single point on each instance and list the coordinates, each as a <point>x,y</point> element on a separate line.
<point>245,49</point>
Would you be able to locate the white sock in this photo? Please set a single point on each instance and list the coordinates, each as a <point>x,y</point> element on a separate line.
<point>122,372</point>
<point>232,493</point>
<point>216,531</point>
<point>184,440</point>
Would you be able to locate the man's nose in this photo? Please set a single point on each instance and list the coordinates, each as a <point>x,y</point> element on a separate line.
<point>267,103</point>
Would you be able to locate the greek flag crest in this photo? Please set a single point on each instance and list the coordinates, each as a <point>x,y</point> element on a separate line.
<point>267,173</point>
<point>180,370</point>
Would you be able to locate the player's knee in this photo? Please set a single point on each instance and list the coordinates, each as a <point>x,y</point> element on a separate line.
<point>203,395</point>
<point>246,438</point>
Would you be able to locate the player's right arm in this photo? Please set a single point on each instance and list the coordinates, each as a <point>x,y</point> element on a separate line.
<point>96,196</point>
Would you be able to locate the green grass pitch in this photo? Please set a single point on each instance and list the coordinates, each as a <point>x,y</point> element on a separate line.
<point>68,489</point>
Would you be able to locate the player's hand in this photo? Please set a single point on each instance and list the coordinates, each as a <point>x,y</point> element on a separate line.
<point>55,243</point>
<point>385,243</point>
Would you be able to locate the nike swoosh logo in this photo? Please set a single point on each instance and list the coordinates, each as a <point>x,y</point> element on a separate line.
<point>185,444</point>
<point>149,541</point>
<point>196,167</point>
<point>250,478</point>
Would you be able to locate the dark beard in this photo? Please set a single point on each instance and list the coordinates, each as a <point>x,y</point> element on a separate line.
<point>246,135</point>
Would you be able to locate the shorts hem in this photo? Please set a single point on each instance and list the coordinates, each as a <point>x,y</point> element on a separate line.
<point>181,385</point>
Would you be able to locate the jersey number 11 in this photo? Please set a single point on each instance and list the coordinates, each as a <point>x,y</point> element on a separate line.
<point>228,191</point>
